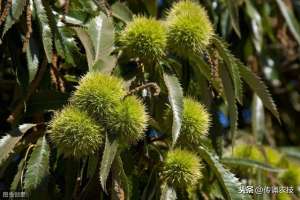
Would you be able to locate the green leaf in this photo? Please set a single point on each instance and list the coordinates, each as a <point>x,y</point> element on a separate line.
<point>66,47</point>
<point>8,142</point>
<point>168,193</point>
<point>229,95</point>
<point>176,100</point>
<point>259,88</point>
<point>234,15</point>
<point>250,163</point>
<point>14,15</point>
<point>106,64</point>
<point>37,167</point>
<point>201,66</point>
<point>32,56</point>
<point>258,119</point>
<point>229,183</point>
<point>256,24</point>
<point>65,44</point>
<point>101,32</point>
<point>291,19</point>
<point>44,27</point>
<point>230,62</point>
<point>121,11</point>
<point>110,151</point>
<point>151,6</point>
<point>16,181</point>
<point>87,44</point>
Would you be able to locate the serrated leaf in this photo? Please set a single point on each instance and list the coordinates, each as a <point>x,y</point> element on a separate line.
<point>230,62</point>
<point>101,32</point>
<point>168,193</point>
<point>234,15</point>
<point>250,163</point>
<point>15,183</point>
<point>37,166</point>
<point>229,183</point>
<point>14,15</point>
<point>32,57</point>
<point>230,99</point>
<point>291,19</point>
<point>44,27</point>
<point>121,11</point>
<point>175,95</point>
<point>87,44</point>
<point>259,88</point>
<point>9,141</point>
<point>110,151</point>
<point>65,46</point>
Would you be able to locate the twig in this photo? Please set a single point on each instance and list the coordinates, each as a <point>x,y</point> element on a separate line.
<point>65,13</point>
<point>28,26</point>
<point>55,76</point>
<point>66,7</point>
<point>33,86</point>
<point>104,5</point>
<point>5,11</point>
<point>147,85</point>
<point>212,60</point>
<point>65,10</point>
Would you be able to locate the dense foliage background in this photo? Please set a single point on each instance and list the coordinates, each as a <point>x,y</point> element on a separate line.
<point>47,46</point>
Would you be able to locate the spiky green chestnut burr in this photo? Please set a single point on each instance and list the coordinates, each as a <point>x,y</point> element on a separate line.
<point>185,6</point>
<point>283,196</point>
<point>189,29</point>
<point>144,38</point>
<point>291,177</point>
<point>129,120</point>
<point>98,94</point>
<point>195,122</point>
<point>75,133</point>
<point>271,157</point>
<point>248,152</point>
<point>274,157</point>
<point>181,168</point>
